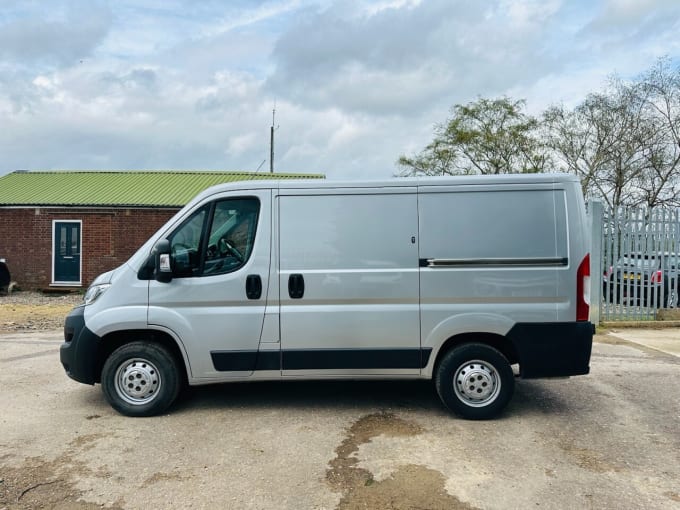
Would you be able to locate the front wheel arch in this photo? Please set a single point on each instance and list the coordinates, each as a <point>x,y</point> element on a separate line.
<point>112,341</point>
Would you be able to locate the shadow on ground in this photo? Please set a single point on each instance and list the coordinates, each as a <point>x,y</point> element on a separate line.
<point>531,397</point>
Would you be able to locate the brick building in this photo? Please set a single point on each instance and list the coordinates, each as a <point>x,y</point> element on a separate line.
<point>62,229</point>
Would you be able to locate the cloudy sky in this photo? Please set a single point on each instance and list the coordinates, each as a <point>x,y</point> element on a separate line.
<point>173,84</point>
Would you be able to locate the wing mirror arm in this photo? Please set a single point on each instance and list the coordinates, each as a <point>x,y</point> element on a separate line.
<point>162,261</point>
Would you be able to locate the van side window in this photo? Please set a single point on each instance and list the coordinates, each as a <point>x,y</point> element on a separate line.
<point>230,225</point>
<point>232,235</point>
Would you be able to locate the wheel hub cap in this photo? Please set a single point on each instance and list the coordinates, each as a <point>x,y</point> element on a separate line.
<point>476,383</point>
<point>137,381</point>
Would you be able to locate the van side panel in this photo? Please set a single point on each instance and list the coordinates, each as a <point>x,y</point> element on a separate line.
<point>488,251</point>
<point>356,255</point>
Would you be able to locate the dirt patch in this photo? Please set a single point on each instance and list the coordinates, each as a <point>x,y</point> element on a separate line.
<point>612,340</point>
<point>41,484</point>
<point>588,459</point>
<point>86,442</point>
<point>34,311</point>
<point>659,323</point>
<point>164,477</point>
<point>409,487</point>
<point>344,473</point>
<point>668,314</point>
<point>673,496</point>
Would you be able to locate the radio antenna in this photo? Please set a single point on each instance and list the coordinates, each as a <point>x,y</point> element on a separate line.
<point>271,140</point>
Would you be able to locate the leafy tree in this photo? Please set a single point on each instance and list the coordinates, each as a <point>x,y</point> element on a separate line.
<point>487,136</point>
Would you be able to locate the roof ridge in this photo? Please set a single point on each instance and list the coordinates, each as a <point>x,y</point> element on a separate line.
<point>159,171</point>
<point>97,188</point>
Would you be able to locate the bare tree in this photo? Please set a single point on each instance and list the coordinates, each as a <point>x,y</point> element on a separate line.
<point>600,141</point>
<point>624,142</point>
<point>658,91</point>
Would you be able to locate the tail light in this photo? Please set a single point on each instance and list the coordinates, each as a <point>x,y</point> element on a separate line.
<point>657,276</point>
<point>583,289</point>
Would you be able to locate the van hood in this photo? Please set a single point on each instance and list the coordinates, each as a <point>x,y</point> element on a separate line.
<point>107,277</point>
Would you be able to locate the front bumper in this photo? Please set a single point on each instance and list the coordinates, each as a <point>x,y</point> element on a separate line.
<point>78,353</point>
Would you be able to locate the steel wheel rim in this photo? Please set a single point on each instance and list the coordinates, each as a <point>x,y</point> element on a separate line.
<point>137,381</point>
<point>477,383</point>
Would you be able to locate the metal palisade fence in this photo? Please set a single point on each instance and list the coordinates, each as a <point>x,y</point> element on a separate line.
<point>635,261</point>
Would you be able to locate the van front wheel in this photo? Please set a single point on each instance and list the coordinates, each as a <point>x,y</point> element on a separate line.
<point>140,379</point>
<point>475,381</point>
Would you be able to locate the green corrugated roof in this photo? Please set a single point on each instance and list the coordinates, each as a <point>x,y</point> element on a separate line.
<point>141,189</point>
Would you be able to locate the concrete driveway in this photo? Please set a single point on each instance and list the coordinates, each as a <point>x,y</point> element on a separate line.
<point>607,440</point>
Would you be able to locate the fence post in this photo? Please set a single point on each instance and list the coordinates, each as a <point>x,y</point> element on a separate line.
<point>596,217</point>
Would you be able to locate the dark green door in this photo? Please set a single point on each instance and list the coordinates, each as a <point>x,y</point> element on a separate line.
<point>66,252</point>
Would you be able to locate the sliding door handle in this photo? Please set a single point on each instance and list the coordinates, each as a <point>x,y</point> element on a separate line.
<point>296,286</point>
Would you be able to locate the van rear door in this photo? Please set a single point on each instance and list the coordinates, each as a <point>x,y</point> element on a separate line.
<point>349,296</point>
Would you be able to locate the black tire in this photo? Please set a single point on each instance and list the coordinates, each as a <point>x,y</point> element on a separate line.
<point>475,381</point>
<point>141,379</point>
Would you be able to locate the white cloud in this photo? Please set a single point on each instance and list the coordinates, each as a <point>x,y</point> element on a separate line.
<point>372,7</point>
<point>356,83</point>
<point>53,38</point>
<point>527,13</point>
<point>240,18</point>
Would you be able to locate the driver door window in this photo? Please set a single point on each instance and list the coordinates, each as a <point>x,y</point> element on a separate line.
<point>185,245</point>
<point>231,226</point>
<point>232,235</point>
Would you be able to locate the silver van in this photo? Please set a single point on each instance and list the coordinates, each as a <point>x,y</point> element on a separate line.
<point>451,279</point>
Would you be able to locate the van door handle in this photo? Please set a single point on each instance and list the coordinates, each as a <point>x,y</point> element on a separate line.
<point>253,286</point>
<point>296,286</point>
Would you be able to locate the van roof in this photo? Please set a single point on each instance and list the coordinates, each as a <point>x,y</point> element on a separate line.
<point>462,180</point>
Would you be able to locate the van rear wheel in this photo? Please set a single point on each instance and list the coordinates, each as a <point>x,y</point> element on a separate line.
<point>141,379</point>
<point>475,381</point>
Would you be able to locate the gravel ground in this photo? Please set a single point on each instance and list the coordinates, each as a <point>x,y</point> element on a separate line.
<point>35,311</point>
<point>609,440</point>
<point>601,441</point>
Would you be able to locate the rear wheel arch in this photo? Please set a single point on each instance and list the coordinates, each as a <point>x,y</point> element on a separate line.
<point>499,342</point>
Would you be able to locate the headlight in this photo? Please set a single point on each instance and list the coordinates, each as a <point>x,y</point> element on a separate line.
<point>94,292</point>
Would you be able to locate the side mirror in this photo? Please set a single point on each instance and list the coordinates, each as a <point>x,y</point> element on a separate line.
<point>163,266</point>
